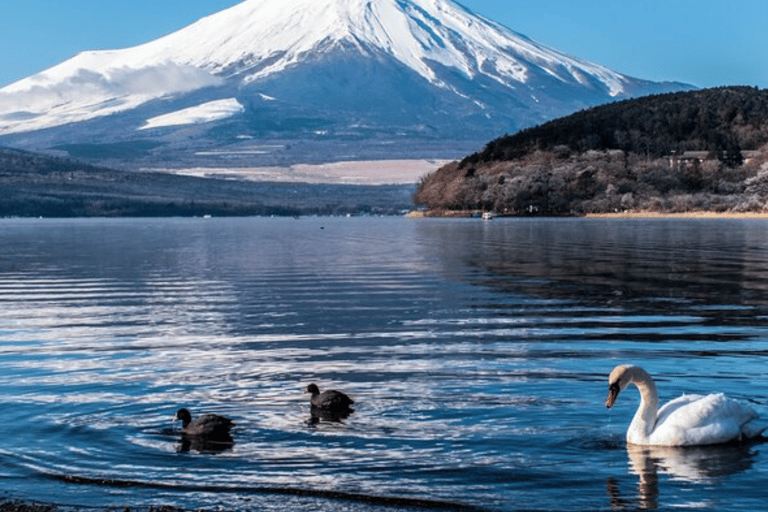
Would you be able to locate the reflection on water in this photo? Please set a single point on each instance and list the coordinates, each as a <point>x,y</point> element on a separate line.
<point>615,261</point>
<point>203,445</point>
<point>318,414</point>
<point>693,463</point>
<point>700,465</point>
<point>477,354</point>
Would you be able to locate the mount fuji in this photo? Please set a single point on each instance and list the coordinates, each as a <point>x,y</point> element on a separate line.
<point>393,76</point>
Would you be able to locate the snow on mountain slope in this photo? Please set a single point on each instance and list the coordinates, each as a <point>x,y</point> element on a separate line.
<point>443,54</point>
<point>205,113</point>
<point>414,32</point>
<point>92,85</point>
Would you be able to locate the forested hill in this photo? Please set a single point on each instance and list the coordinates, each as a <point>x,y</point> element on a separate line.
<point>706,120</point>
<point>699,150</point>
<point>33,185</point>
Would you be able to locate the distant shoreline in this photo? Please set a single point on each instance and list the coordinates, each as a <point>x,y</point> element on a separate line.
<point>418,214</point>
<point>683,215</point>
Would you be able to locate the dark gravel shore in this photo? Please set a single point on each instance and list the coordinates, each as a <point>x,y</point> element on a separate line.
<point>18,506</point>
<point>15,506</point>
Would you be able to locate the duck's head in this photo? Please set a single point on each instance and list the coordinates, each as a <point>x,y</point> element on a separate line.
<point>312,389</point>
<point>183,415</point>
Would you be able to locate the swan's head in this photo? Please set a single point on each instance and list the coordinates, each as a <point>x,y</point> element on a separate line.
<point>620,378</point>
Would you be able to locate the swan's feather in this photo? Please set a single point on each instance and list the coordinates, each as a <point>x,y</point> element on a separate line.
<point>699,420</point>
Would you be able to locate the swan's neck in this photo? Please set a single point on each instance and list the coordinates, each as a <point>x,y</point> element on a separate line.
<point>645,418</point>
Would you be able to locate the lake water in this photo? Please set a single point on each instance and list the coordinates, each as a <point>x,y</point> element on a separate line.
<point>477,353</point>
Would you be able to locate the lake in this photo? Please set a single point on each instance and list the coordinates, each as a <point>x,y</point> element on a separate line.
<point>477,352</point>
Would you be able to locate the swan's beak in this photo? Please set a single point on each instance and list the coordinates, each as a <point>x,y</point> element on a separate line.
<point>613,394</point>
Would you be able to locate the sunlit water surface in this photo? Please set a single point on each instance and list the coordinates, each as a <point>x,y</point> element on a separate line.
<point>477,353</point>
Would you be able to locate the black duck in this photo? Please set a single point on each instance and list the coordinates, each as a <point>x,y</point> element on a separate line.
<point>210,426</point>
<point>329,400</point>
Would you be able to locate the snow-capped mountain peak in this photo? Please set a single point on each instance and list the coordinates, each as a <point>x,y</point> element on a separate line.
<point>415,32</point>
<point>418,58</point>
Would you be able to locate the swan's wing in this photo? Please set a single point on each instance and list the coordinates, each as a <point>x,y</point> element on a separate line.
<point>699,420</point>
<point>671,407</point>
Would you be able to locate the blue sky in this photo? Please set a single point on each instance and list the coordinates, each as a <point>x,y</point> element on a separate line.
<point>703,42</point>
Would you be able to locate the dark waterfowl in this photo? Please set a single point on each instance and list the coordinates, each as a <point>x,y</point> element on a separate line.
<point>211,426</point>
<point>331,401</point>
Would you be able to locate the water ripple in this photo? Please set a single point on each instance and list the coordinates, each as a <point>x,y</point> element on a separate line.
<point>477,355</point>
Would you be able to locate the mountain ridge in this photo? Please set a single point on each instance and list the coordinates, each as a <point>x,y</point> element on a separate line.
<point>337,69</point>
<point>37,185</point>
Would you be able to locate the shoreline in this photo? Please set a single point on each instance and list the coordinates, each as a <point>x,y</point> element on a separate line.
<point>702,215</point>
<point>10,505</point>
<point>679,215</point>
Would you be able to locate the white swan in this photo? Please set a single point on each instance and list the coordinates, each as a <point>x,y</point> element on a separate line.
<point>686,421</point>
